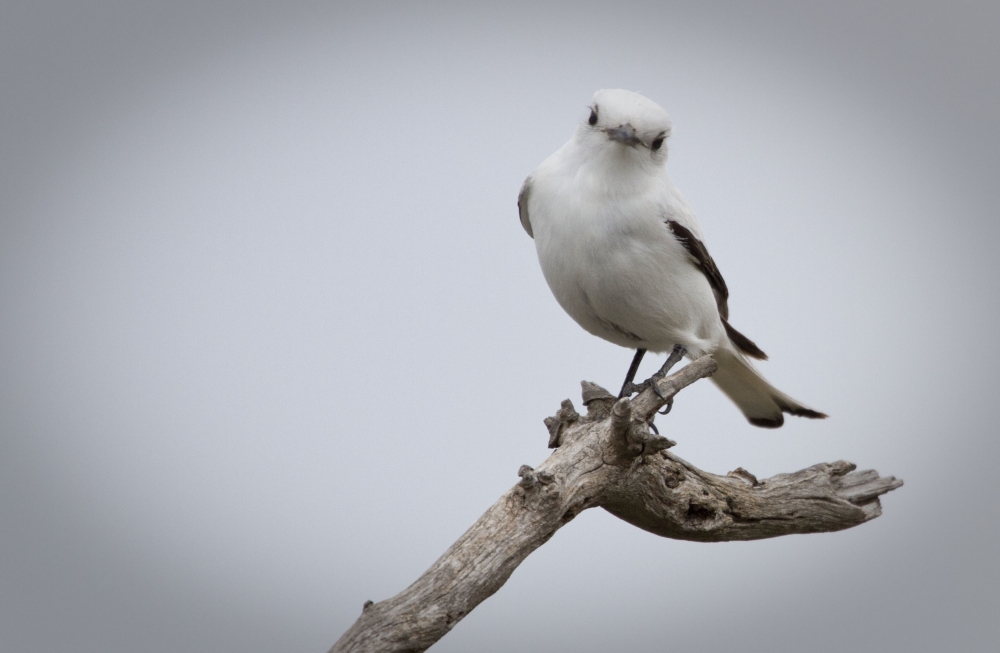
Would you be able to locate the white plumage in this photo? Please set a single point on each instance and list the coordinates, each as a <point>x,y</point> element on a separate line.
<point>624,255</point>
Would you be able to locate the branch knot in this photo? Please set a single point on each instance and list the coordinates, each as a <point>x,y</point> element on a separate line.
<point>566,416</point>
<point>531,477</point>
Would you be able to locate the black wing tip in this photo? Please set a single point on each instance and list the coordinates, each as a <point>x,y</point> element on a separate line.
<point>744,344</point>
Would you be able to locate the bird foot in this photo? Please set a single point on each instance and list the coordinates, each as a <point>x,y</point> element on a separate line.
<point>629,388</point>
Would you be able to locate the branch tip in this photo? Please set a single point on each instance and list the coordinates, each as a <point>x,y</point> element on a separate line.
<point>621,419</point>
<point>565,416</point>
<point>597,400</point>
<point>567,413</point>
<point>642,442</point>
<point>842,467</point>
<point>594,392</point>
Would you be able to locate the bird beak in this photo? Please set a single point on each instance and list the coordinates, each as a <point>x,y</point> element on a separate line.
<point>624,134</point>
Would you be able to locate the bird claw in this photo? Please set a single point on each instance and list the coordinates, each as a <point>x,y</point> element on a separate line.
<point>630,388</point>
<point>654,383</point>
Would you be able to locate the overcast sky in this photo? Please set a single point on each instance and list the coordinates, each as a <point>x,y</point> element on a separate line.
<point>272,336</point>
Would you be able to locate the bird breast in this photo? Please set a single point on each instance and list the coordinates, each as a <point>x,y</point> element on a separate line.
<point>613,265</point>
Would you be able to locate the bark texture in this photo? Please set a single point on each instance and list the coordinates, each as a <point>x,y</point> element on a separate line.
<point>610,458</point>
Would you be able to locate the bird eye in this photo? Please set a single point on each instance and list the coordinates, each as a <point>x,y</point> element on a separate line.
<point>657,142</point>
<point>593,117</point>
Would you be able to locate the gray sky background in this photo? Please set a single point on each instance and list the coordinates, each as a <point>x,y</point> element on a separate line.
<point>272,338</point>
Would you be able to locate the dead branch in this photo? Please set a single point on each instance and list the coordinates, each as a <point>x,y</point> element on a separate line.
<point>609,458</point>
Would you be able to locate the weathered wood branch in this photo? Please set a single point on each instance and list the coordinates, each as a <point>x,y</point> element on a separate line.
<point>609,458</point>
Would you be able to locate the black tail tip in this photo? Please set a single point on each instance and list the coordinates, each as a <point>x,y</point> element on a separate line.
<point>807,412</point>
<point>777,422</point>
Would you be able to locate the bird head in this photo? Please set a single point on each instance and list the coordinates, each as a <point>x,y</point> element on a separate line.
<point>626,125</point>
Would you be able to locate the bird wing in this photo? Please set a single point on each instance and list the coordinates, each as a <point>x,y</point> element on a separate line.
<point>522,204</point>
<point>703,261</point>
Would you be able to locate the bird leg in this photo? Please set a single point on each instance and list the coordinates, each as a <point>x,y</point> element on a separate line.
<point>676,354</point>
<point>629,388</point>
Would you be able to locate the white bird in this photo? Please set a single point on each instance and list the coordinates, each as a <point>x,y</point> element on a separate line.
<point>624,255</point>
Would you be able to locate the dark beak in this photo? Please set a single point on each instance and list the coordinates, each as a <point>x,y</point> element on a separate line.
<point>623,134</point>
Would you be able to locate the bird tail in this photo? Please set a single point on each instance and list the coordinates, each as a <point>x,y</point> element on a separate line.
<point>760,402</point>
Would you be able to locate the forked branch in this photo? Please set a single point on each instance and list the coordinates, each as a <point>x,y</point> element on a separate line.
<point>609,458</point>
